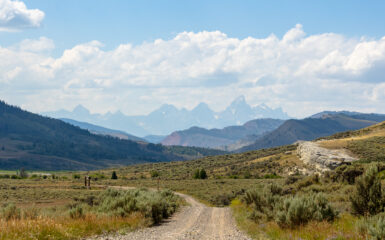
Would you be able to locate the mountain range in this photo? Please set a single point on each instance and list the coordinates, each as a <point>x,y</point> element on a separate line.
<point>219,138</point>
<point>168,118</point>
<point>35,142</point>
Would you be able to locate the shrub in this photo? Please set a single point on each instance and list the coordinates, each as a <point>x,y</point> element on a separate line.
<point>377,230</point>
<point>30,213</point>
<point>202,174</point>
<point>76,176</point>
<point>271,176</point>
<point>263,202</point>
<point>292,179</point>
<point>222,199</point>
<point>76,212</point>
<point>10,211</point>
<point>154,174</point>
<point>114,176</point>
<point>349,174</point>
<point>153,205</point>
<point>299,210</point>
<point>307,181</point>
<point>367,199</point>
<point>275,189</point>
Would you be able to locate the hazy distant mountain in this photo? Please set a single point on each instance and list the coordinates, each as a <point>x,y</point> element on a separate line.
<point>154,138</point>
<point>168,118</point>
<point>215,138</point>
<point>102,130</point>
<point>311,128</point>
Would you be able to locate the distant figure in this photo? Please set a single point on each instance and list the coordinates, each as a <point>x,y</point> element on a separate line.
<point>87,182</point>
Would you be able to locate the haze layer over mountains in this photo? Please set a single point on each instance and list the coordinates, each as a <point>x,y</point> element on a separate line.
<point>168,118</point>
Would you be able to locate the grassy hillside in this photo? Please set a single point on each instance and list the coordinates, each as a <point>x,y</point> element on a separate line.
<point>310,129</point>
<point>35,142</point>
<point>102,130</point>
<point>368,144</point>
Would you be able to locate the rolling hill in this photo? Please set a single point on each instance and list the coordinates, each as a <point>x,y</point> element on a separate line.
<point>312,128</point>
<point>102,130</point>
<point>215,138</point>
<point>39,143</point>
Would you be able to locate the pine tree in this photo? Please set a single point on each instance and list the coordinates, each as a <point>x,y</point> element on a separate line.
<point>114,176</point>
<point>202,174</point>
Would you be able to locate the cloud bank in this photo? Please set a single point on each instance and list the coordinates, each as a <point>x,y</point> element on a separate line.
<point>302,73</point>
<point>14,15</point>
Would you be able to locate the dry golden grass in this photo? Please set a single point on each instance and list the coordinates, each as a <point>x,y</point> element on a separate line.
<point>373,131</point>
<point>334,144</point>
<point>67,228</point>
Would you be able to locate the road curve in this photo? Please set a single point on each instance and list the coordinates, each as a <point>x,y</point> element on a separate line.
<point>195,221</point>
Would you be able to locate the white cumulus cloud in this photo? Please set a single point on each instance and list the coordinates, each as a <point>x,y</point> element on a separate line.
<point>14,15</point>
<point>302,73</point>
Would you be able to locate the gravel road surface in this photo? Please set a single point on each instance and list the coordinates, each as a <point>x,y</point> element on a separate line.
<point>195,221</point>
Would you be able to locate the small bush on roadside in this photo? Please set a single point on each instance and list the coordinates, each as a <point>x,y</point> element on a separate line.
<point>77,212</point>
<point>153,205</point>
<point>299,210</point>
<point>288,212</point>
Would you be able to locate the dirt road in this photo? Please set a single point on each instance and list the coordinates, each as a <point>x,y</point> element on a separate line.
<point>195,221</point>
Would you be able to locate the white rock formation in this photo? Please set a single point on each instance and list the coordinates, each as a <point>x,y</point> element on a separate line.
<point>321,158</point>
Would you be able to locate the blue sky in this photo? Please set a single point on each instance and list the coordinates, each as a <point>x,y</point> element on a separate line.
<point>225,47</point>
<point>114,22</point>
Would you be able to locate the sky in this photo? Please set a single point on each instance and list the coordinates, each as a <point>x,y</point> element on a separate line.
<point>133,56</point>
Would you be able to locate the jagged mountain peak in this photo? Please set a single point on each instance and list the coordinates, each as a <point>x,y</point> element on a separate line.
<point>81,109</point>
<point>239,101</point>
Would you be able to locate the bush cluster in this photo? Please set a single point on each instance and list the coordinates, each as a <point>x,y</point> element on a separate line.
<point>269,204</point>
<point>153,205</point>
<point>368,198</point>
<point>200,174</point>
<point>299,210</point>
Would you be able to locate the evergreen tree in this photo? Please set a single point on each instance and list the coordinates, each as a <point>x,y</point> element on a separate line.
<point>114,176</point>
<point>202,174</point>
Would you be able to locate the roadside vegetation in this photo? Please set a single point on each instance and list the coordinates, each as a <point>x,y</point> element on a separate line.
<point>63,209</point>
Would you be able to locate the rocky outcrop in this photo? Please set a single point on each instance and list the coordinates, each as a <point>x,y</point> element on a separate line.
<point>322,159</point>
